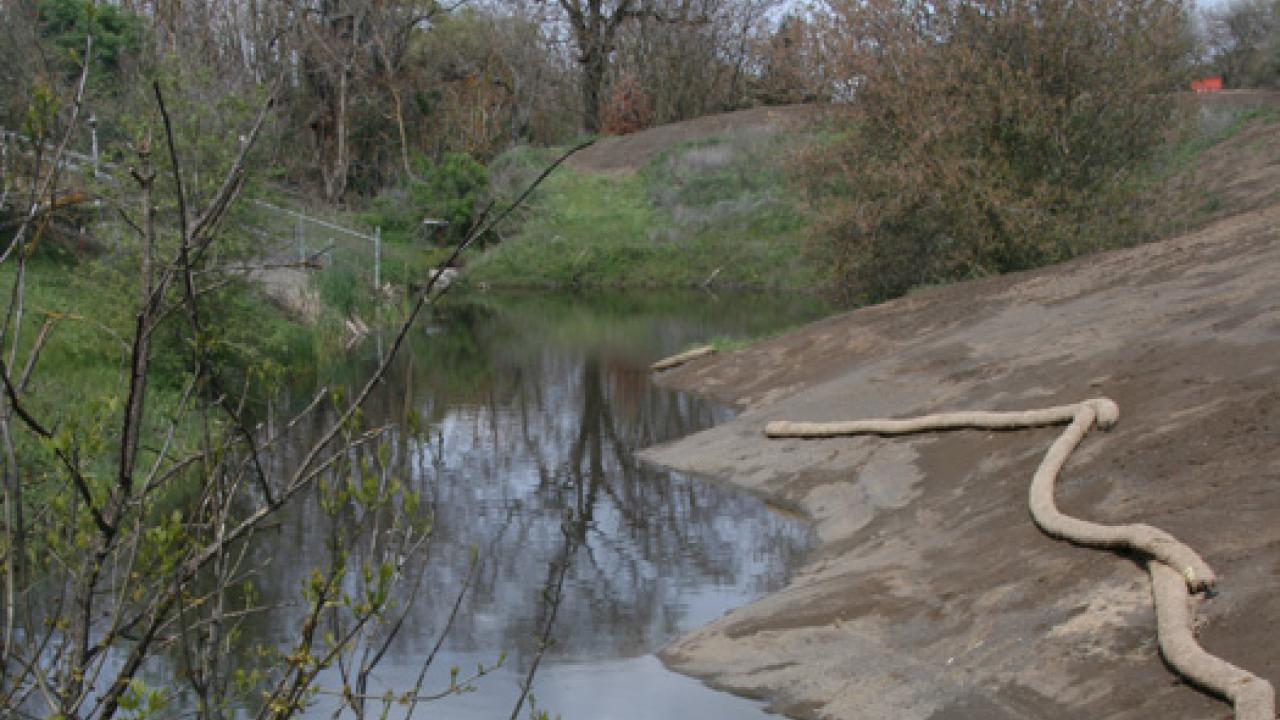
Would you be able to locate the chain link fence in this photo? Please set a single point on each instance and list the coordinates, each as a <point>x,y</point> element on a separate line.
<point>313,256</point>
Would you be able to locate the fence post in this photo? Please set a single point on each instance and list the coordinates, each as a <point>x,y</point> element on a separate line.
<point>93,133</point>
<point>302,242</point>
<point>4,168</point>
<point>377,258</point>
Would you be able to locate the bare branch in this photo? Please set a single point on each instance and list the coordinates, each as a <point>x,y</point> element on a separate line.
<point>44,188</point>
<point>12,393</point>
<point>36,347</point>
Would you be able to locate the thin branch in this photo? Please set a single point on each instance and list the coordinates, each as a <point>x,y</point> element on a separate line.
<point>553,593</point>
<point>313,463</point>
<point>213,213</point>
<point>36,347</point>
<point>416,696</point>
<point>129,221</point>
<point>310,262</point>
<point>174,164</point>
<point>42,189</point>
<point>12,393</point>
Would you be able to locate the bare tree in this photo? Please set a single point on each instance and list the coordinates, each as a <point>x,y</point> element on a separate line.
<point>791,64</point>
<point>704,62</point>
<point>334,39</point>
<point>391,38</point>
<point>541,75</point>
<point>595,25</point>
<point>1243,42</point>
<point>143,527</point>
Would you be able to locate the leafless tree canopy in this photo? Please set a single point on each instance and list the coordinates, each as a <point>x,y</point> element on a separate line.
<point>1242,42</point>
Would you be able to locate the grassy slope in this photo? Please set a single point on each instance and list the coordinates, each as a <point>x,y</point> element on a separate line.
<point>700,206</point>
<point>82,371</point>
<point>1231,164</point>
<point>722,208</point>
<point>716,209</point>
<point>85,347</point>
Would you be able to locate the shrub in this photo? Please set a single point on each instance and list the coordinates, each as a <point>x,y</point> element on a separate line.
<point>453,190</point>
<point>988,136</point>
<point>628,109</point>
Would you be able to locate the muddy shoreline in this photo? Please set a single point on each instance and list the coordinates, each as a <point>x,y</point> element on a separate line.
<point>933,595</point>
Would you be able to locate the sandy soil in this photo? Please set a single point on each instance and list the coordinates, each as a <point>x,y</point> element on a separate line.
<point>933,595</point>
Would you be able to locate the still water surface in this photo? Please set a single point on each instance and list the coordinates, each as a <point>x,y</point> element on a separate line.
<point>530,410</point>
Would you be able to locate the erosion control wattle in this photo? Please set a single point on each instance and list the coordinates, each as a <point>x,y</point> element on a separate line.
<point>1176,570</point>
<point>679,359</point>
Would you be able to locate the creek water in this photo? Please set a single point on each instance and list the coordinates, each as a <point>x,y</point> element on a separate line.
<point>529,410</point>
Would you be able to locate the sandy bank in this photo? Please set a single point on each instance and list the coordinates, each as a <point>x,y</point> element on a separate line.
<point>933,595</point>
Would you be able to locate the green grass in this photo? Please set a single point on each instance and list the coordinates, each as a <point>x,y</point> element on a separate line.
<point>79,383</point>
<point>728,344</point>
<point>83,365</point>
<point>583,228</point>
<point>1180,196</point>
<point>85,346</point>
<point>1204,136</point>
<point>714,211</point>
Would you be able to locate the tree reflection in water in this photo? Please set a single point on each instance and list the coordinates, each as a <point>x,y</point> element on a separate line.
<point>528,422</point>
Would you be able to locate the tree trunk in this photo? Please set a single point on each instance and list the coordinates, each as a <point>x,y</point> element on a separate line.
<point>593,71</point>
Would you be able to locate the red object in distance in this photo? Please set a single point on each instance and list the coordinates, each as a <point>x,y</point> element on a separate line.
<point>1207,85</point>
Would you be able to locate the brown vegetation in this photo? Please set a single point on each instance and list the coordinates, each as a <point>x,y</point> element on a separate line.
<point>988,136</point>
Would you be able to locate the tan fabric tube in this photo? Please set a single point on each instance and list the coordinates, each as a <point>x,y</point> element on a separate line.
<point>1176,570</point>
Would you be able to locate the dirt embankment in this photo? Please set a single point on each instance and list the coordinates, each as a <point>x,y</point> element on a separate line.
<point>934,595</point>
<point>629,153</point>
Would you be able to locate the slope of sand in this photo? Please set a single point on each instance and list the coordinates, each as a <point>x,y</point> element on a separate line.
<point>933,595</point>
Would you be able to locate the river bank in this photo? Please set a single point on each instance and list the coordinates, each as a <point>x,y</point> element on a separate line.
<point>933,595</point>
<point>705,203</point>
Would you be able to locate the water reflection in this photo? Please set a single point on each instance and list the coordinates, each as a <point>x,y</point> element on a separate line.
<point>530,410</point>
